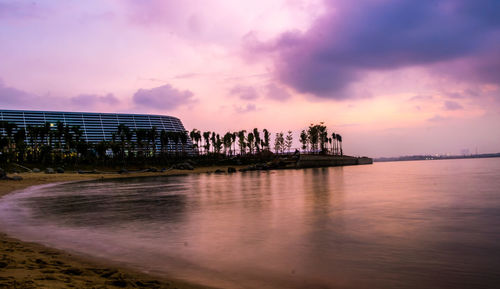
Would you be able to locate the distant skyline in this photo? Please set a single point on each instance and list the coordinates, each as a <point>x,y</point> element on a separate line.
<point>393,77</point>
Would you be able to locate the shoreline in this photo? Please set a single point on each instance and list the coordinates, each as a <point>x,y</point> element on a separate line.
<point>33,265</point>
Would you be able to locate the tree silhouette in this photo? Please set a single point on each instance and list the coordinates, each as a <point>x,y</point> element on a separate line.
<point>303,140</point>
<point>241,141</point>
<point>256,135</point>
<point>289,141</point>
<point>206,136</point>
<point>267,137</point>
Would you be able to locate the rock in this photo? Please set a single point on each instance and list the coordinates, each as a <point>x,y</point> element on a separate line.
<point>16,178</point>
<point>36,170</point>
<point>49,171</point>
<point>219,171</point>
<point>231,170</point>
<point>251,168</point>
<point>118,283</point>
<point>60,170</point>
<point>123,171</point>
<point>152,170</point>
<point>261,166</point>
<point>191,162</point>
<point>72,271</point>
<point>183,166</point>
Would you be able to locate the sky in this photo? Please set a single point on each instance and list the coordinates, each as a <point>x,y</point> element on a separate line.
<point>393,77</point>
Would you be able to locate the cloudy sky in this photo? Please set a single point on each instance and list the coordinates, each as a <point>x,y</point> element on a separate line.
<point>394,77</point>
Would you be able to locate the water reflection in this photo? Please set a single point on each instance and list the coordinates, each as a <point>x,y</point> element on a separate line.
<point>392,225</point>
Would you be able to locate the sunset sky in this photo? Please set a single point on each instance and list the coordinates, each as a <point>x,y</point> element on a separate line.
<point>392,77</point>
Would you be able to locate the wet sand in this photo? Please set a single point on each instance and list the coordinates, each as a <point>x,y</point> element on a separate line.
<point>31,265</point>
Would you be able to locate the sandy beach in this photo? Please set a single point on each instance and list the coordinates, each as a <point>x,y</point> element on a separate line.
<point>31,265</point>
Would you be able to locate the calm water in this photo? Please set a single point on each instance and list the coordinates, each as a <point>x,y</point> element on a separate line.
<point>422,224</point>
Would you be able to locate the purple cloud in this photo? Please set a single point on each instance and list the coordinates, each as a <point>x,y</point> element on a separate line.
<point>353,38</point>
<point>19,9</point>
<point>436,118</point>
<point>452,105</point>
<point>248,108</point>
<point>244,92</point>
<point>163,97</point>
<point>12,96</point>
<point>421,97</point>
<point>276,92</point>
<point>181,18</point>
<point>15,98</point>
<point>90,100</point>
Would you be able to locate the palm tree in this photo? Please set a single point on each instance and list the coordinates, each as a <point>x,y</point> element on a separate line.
<point>101,149</point>
<point>68,138</point>
<point>183,138</point>
<point>163,141</point>
<point>141,135</point>
<point>217,144</point>
<point>339,138</point>
<point>153,134</point>
<point>122,133</point>
<point>313,136</point>
<point>334,140</point>
<point>129,135</point>
<point>171,137</point>
<point>241,141</point>
<point>227,142</point>
<point>48,133</point>
<point>9,128</point>
<point>77,133</point>
<point>194,137</point>
<point>250,139</point>
<point>19,139</point>
<point>206,136</point>
<point>233,140</point>
<point>267,136</point>
<point>213,140</point>
<point>303,139</point>
<point>176,139</point>
<point>323,135</point>
<point>256,134</point>
<point>59,134</point>
<point>33,136</point>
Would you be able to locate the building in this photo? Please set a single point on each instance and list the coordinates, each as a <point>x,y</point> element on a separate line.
<point>95,127</point>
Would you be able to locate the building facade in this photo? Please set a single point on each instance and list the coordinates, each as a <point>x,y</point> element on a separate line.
<point>95,127</point>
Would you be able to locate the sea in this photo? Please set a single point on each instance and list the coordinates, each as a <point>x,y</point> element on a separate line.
<point>413,224</point>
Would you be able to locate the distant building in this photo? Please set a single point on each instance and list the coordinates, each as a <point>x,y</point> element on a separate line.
<point>95,127</point>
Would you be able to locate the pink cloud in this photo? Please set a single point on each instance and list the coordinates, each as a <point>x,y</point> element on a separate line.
<point>19,10</point>
<point>452,105</point>
<point>273,91</point>
<point>247,108</point>
<point>164,97</point>
<point>244,92</point>
<point>91,100</point>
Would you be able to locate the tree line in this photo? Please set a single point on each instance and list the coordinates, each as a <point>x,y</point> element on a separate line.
<point>61,143</point>
<point>315,139</point>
